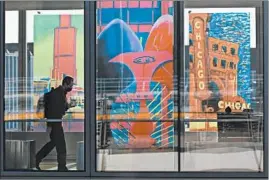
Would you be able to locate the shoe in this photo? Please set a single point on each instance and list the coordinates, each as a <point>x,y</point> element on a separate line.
<point>37,163</point>
<point>38,167</point>
<point>62,169</point>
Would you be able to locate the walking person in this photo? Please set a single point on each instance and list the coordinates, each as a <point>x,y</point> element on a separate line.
<point>55,106</point>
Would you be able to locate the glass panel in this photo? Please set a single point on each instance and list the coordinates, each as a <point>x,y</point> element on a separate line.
<point>223,108</point>
<point>11,68</point>
<point>44,91</point>
<point>135,87</point>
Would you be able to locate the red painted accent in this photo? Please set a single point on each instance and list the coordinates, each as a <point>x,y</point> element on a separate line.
<point>65,21</point>
<point>165,6</point>
<point>143,72</point>
<point>119,125</point>
<point>145,28</point>
<point>171,4</point>
<point>134,28</point>
<point>136,97</point>
<point>155,3</point>
<point>103,27</point>
<point>146,4</point>
<point>120,4</point>
<point>99,29</point>
<point>106,4</point>
<point>165,125</point>
<point>98,4</point>
<point>64,49</point>
<point>164,135</point>
<point>164,102</point>
<point>133,4</point>
<point>142,131</point>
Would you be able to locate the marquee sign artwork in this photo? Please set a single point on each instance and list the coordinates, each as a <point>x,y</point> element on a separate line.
<point>200,58</point>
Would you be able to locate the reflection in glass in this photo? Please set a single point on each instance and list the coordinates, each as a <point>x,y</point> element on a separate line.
<point>135,86</point>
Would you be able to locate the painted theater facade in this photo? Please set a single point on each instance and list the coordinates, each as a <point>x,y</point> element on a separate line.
<point>213,75</point>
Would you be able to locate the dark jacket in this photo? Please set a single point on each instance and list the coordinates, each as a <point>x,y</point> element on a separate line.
<point>55,104</point>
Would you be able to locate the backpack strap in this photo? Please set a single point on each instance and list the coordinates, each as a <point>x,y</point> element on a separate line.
<point>46,95</point>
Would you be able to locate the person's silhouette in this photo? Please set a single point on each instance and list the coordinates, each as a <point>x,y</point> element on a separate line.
<point>228,110</point>
<point>55,106</point>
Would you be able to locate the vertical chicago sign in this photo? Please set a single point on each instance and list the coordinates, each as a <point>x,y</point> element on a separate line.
<point>200,58</point>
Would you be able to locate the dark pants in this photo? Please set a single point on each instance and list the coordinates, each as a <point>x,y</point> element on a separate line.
<point>56,139</point>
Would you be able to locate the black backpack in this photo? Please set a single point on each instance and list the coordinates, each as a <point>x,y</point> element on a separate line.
<point>43,101</point>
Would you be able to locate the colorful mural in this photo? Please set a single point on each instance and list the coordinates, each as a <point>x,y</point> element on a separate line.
<point>135,68</point>
<point>219,64</point>
<point>59,47</point>
<point>136,45</point>
<point>59,51</point>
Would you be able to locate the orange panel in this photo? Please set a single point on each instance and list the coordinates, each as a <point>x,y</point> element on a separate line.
<point>66,41</point>
<point>65,20</point>
<point>164,75</point>
<point>161,37</point>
